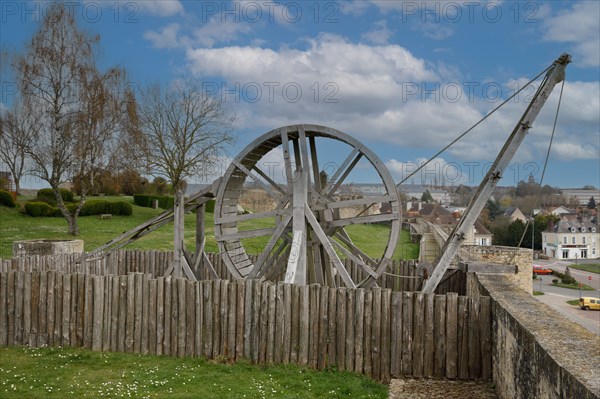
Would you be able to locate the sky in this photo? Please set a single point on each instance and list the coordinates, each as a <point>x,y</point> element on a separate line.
<point>403,77</point>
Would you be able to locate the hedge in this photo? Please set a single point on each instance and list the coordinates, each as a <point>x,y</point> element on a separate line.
<point>146,200</point>
<point>6,199</point>
<point>91,207</point>
<point>165,202</point>
<point>37,209</point>
<point>98,207</point>
<point>47,195</point>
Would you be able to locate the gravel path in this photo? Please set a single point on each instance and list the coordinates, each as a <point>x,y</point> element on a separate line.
<point>440,389</point>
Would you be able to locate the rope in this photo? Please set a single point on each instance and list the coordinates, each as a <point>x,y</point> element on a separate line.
<point>475,125</point>
<point>537,194</point>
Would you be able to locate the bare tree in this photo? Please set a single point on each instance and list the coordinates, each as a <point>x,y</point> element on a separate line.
<point>18,127</point>
<point>184,129</point>
<point>80,109</point>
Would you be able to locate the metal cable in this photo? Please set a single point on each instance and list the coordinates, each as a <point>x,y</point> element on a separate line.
<point>475,125</point>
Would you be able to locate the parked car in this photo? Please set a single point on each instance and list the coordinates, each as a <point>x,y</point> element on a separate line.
<point>587,303</point>
<point>541,270</point>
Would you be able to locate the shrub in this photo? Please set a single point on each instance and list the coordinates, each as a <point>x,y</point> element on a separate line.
<point>98,207</point>
<point>6,199</point>
<point>554,281</point>
<point>145,200</point>
<point>47,195</point>
<point>37,209</point>
<point>568,279</point>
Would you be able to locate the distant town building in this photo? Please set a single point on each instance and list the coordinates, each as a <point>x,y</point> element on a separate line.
<point>440,196</point>
<point>572,239</point>
<point>438,215</point>
<point>582,195</point>
<point>561,210</point>
<point>514,213</point>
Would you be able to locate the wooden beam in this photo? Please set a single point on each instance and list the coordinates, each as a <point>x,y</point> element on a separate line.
<point>256,179</point>
<point>258,266</point>
<point>296,269</point>
<point>252,216</point>
<point>328,246</point>
<point>361,220</point>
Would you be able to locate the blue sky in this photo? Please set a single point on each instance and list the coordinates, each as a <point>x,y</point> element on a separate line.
<point>403,77</point>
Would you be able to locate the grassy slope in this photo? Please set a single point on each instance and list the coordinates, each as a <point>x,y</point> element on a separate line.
<point>15,226</point>
<point>78,373</point>
<point>587,267</point>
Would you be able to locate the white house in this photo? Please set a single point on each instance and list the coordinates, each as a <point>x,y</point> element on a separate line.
<point>572,239</point>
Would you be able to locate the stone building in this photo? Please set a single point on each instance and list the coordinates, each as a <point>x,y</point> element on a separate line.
<point>572,239</point>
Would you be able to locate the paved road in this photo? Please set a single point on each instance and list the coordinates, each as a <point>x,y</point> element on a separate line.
<point>557,297</point>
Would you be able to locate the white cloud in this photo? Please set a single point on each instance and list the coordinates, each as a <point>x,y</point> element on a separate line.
<point>569,151</point>
<point>162,8</point>
<point>580,27</point>
<point>167,37</point>
<point>380,34</point>
<point>217,31</point>
<point>209,34</point>
<point>376,101</point>
<point>438,171</point>
<point>353,7</point>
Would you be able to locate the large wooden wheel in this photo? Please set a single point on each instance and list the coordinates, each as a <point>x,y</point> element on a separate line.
<point>305,233</point>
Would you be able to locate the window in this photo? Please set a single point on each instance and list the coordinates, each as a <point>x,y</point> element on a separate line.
<point>564,239</point>
<point>565,254</point>
<point>573,239</point>
<point>583,240</point>
<point>584,253</point>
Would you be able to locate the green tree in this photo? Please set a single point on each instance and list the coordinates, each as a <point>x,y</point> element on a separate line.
<point>426,197</point>
<point>591,203</point>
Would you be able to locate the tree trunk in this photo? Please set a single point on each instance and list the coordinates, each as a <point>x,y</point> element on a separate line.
<point>71,219</point>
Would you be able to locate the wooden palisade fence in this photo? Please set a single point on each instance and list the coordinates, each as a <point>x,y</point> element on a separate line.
<point>156,263</point>
<point>377,332</point>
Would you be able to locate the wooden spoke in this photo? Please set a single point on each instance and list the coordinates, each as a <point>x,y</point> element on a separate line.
<point>361,220</point>
<point>304,154</point>
<point>355,259</point>
<point>252,216</point>
<point>337,184</point>
<point>265,253</point>
<point>343,236</point>
<point>247,234</point>
<point>276,270</point>
<point>371,200</point>
<point>289,172</point>
<point>353,154</point>
<point>269,180</point>
<point>256,179</point>
<point>328,247</point>
<point>315,164</point>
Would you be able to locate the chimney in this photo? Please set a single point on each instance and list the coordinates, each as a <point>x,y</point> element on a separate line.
<point>550,224</point>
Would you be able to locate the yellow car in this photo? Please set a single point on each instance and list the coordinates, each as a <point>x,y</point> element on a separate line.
<point>588,303</point>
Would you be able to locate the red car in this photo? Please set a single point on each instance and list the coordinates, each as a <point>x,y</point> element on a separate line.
<point>541,270</point>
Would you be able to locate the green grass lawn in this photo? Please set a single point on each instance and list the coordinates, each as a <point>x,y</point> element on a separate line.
<point>574,302</point>
<point>16,226</point>
<point>590,267</point>
<point>79,373</point>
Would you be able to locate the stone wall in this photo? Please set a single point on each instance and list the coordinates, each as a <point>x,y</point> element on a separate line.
<point>538,353</point>
<point>504,256</point>
<point>47,247</point>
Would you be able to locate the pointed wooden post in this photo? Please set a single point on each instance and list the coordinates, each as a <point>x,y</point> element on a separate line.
<point>178,256</point>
